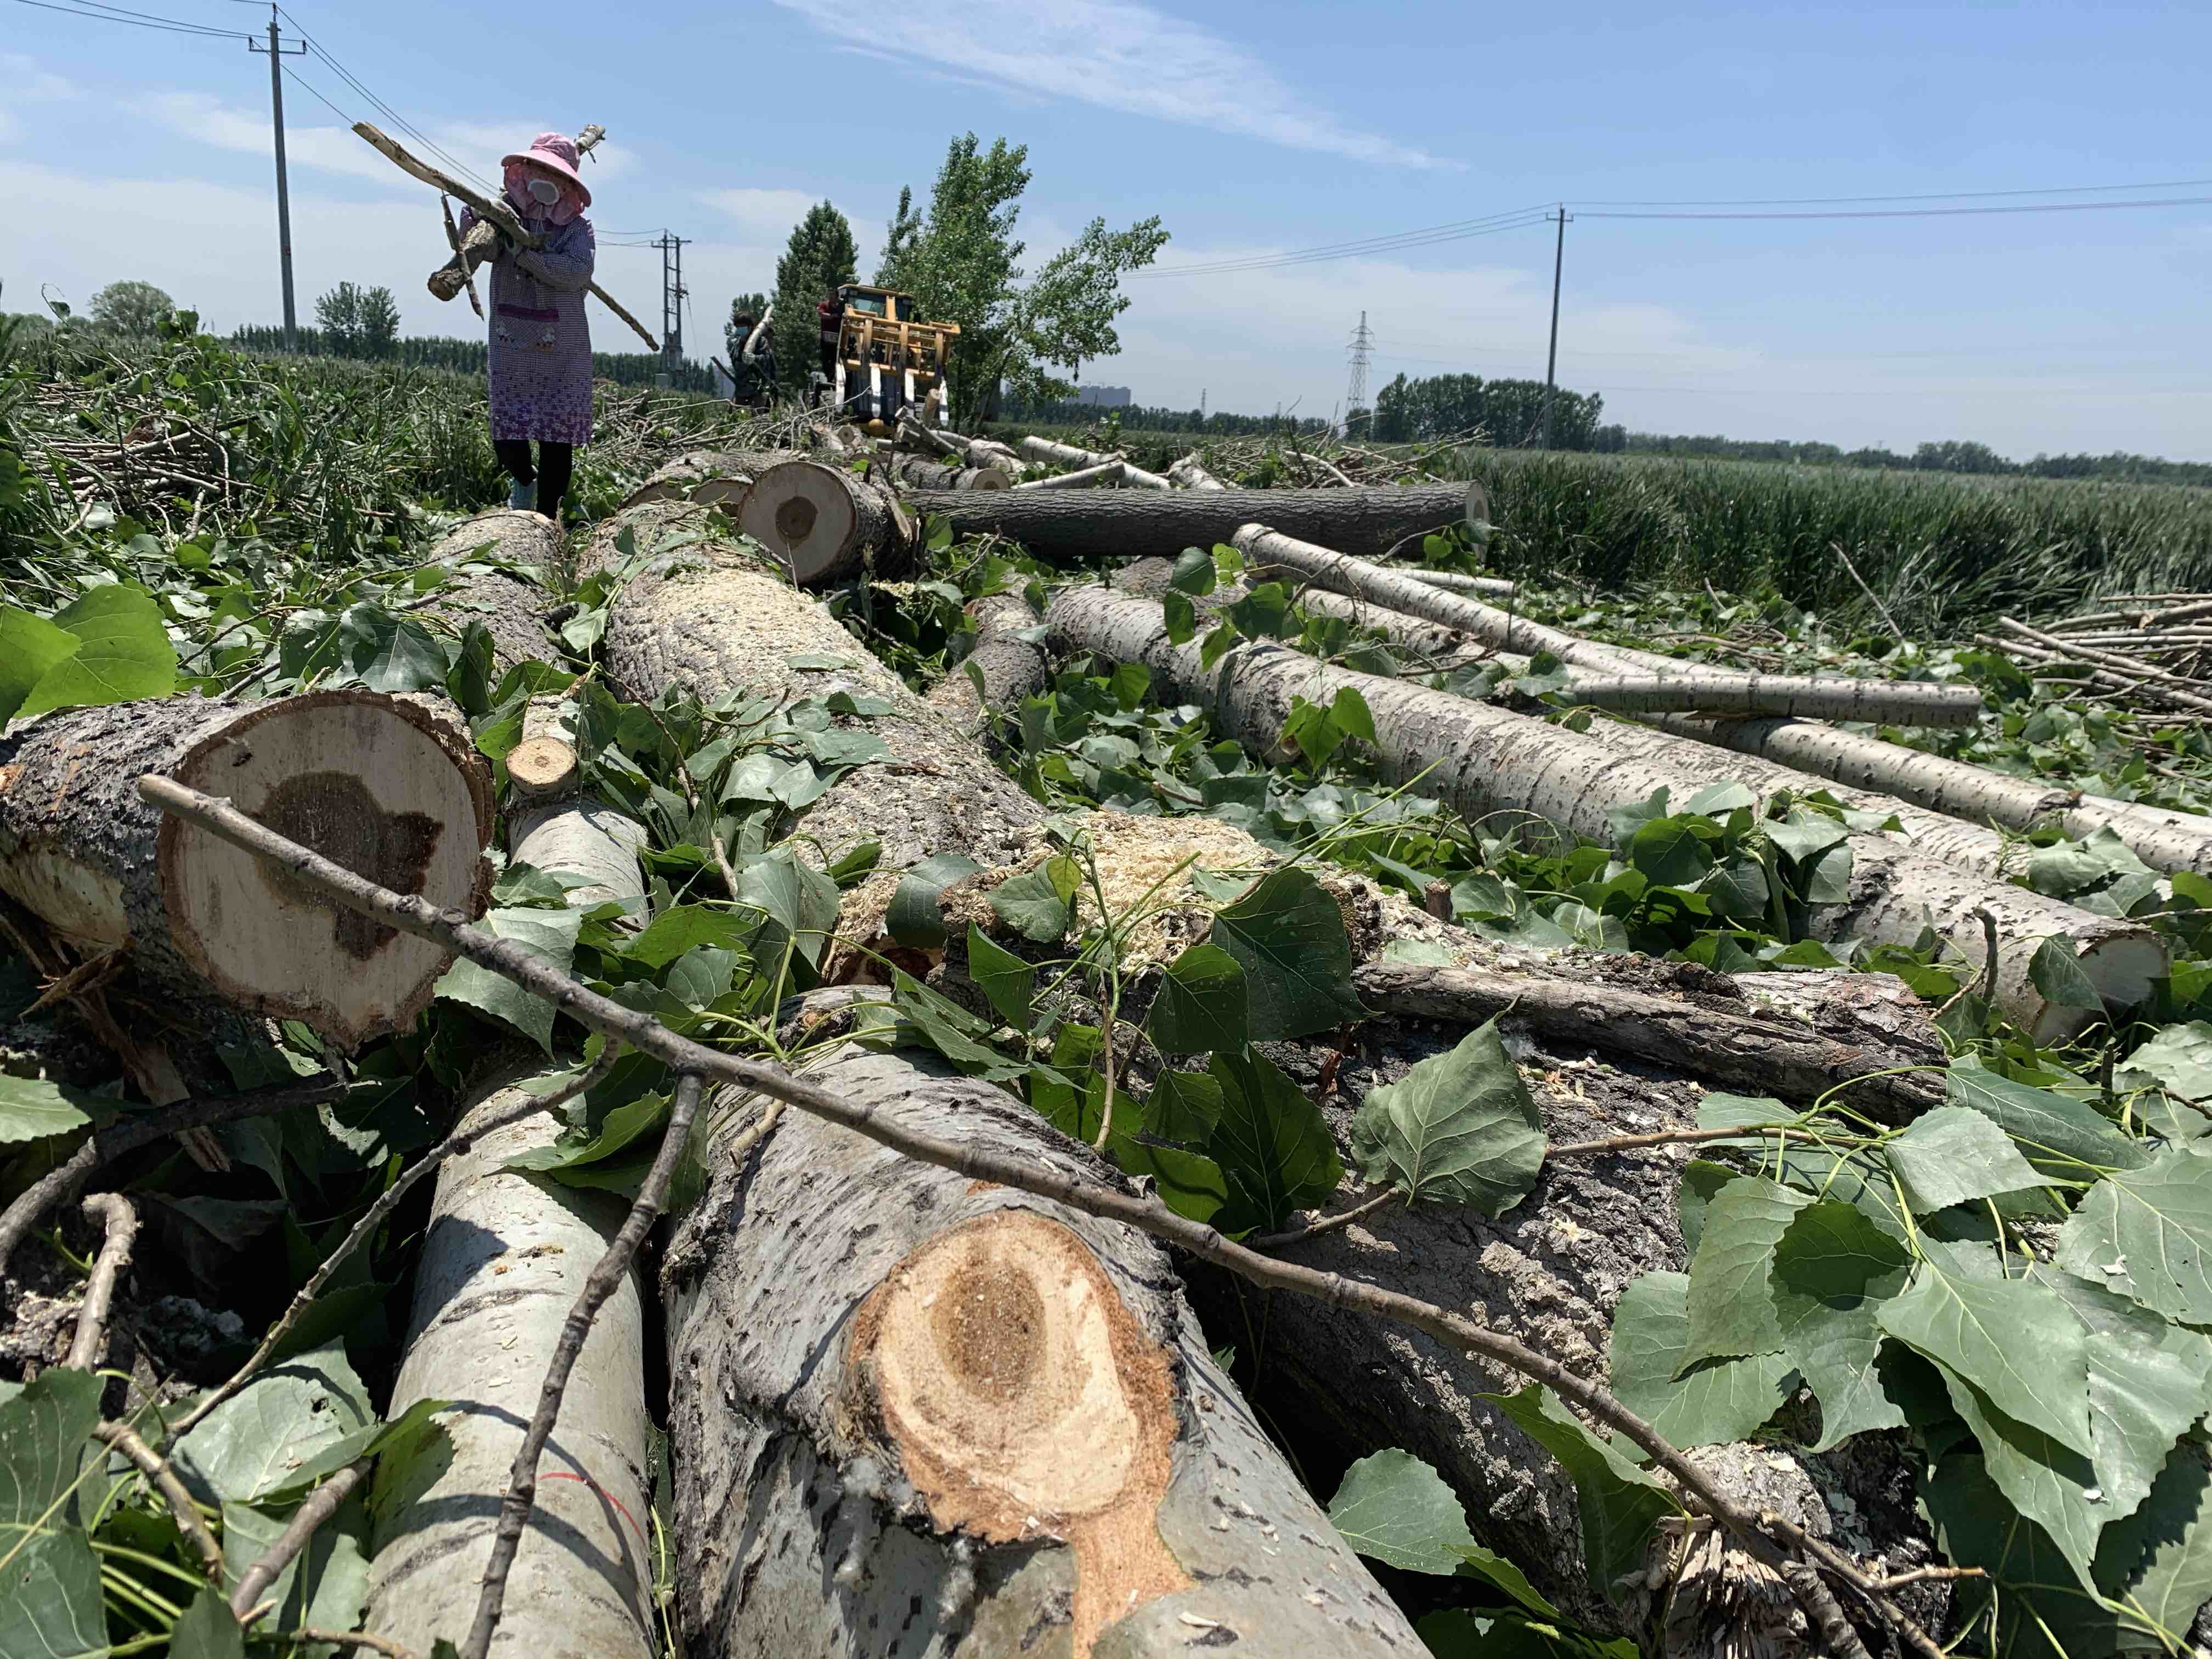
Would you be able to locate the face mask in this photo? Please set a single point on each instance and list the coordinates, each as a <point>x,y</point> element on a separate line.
<point>546,190</point>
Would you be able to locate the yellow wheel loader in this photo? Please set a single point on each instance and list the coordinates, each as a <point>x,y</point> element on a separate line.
<point>888,366</point>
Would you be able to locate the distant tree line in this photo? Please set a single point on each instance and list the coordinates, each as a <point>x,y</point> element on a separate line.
<point>1955,455</point>
<point>1509,414</point>
<point>467,357</point>
<point>1137,418</point>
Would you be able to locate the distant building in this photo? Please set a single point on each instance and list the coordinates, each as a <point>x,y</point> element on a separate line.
<point>1103,397</point>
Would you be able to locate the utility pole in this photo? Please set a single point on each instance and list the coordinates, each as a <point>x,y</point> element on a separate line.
<point>277,54</point>
<point>1355,397</point>
<point>1552,362</point>
<point>672,296</point>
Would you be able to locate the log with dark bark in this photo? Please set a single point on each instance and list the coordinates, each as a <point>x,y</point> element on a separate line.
<point>916,1413</point>
<point>389,787</point>
<point>1063,527</point>
<point>712,477</point>
<point>510,609</point>
<point>826,526</point>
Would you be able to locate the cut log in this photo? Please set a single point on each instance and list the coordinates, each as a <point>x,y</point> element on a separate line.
<point>712,477</point>
<point>827,526</point>
<point>1628,685</point>
<point>1044,449</point>
<point>1063,527</point>
<point>554,826</point>
<point>1012,667</point>
<point>1483,760</point>
<point>1190,472</point>
<point>912,1408</point>
<point>1454,581</point>
<point>706,619</point>
<point>504,1258</point>
<point>919,473</point>
<point>389,786</point>
<point>1104,474</point>
<point>510,608</point>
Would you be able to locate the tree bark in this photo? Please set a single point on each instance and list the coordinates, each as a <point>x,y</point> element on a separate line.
<point>712,477</point>
<point>1044,449</point>
<point>827,526</point>
<point>917,472</point>
<point>389,786</point>
<point>1452,581</point>
<point>509,608</point>
<point>560,828</point>
<point>1106,473</point>
<point>705,618</point>
<point>1063,528</point>
<point>1631,689</point>
<point>1484,760</point>
<point>918,1413</point>
<point>503,1258</point>
<point>1012,667</point>
<point>1190,472</point>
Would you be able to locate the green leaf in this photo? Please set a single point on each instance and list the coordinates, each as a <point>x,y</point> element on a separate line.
<point>1731,1307</point>
<point>31,648</point>
<point>2052,1485</point>
<point>42,1431</point>
<point>386,653</point>
<point>50,1597</point>
<point>1620,1504</point>
<point>1715,1401</point>
<point>1193,572</point>
<point>1395,1509</point>
<point>1954,1155</point>
<point>1002,976</point>
<point>2061,1136</point>
<point>208,1630</point>
<point>1805,834</point>
<point>1272,1143</point>
<point>1202,1004</point>
<point>123,653</point>
<point>685,927</point>
<point>1181,615</point>
<point>2014,1340</point>
<point>1184,1106</point>
<point>2038,1598</point>
<point>800,905</point>
<point>253,1444</point>
<point>2143,1233</point>
<point>327,1586</point>
<point>548,935</point>
<point>2157,1561</point>
<point>2179,1057</point>
<point>622,1125</point>
<point>1670,853</point>
<point>1288,936</point>
<point>1458,1128</point>
<point>912,917</point>
<point>1827,878</point>
<point>1701,1179</point>
<point>1832,1265</point>
<point>1039,904</point>
<point>2057,976</point>
<point>31,1109</point>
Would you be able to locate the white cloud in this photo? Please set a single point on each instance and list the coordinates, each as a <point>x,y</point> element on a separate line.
<point>769,215</point>
<point>208,120</point>
<point>1114,54</point>
<point>28,83</point>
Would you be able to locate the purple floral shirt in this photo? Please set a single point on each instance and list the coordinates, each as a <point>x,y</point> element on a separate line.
<point>540,360</point>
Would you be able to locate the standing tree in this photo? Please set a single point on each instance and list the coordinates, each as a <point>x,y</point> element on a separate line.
<point>338,315</point>
<point>380,323</point>
<point>131,307</point>
<point>962,264</point>
<point>820,255</point>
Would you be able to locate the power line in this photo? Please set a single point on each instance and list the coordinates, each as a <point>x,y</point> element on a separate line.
<point>301,80</point>
<point>387,109</point>
<point>1923,196</point>
<point>138,20</point>
<point>1464,230</point>
<point>1918,213</point>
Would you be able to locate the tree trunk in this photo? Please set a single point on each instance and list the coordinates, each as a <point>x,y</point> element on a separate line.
<point>828,526</point>
<point>711,477</point>
<point>1452,581</point>
<point>509,608</point>
<point>919,473</point>
<point>1484,760</point>
<point>920,1414</point>
<point>1631,688</point>
<point>1044,449</point>
<point>389,786</point>
<point>705,618</point>
<point>1012,667</point>
<point>1190,472</point>
<point>504,1260</point>
<point>1106,473</point>
<point>553,825</point>
<point>1065,528</point>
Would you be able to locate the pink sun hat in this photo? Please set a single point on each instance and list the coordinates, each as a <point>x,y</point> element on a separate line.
<point>556,153</point>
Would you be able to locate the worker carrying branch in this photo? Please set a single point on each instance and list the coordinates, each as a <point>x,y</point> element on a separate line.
<point>539,363</point>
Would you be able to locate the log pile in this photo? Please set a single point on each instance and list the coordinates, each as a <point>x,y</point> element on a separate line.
<point>2155,655</point>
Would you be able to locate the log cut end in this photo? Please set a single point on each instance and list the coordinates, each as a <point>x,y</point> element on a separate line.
<point>381,785</point>
<point>826,526</point>
<point>1023,1401</point>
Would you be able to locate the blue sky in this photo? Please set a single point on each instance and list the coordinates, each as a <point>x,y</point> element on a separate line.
<point>1250,129</point>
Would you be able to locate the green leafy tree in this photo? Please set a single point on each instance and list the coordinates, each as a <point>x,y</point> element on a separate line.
<point>819,257</point>
<point>963,264</point>
<point>380,323</point>
<point>131,307</point>
<point>338,315</point>
<point>1507,413</point>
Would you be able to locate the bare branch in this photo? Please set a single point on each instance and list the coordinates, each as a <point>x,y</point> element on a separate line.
<point>114,1210</point>
<point>320,1506</point>
<point>123,1438</point>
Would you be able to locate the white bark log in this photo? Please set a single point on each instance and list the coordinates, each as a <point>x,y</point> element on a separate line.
<point>921,473</point>
<point>1044,449</point>
<point>827,526</point>
<point>391,786</point>
<point>1484,760</point>
<point>1190,472</point>
<point>1090,477</point>
<point>504,1260</point>
<point>1454,581</point>
<point>920,1414</point>
<point>563,829</point>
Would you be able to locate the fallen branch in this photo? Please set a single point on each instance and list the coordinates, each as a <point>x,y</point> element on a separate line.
<point>122,1439</point>
<point>121,1221</point>
<point>1090,477</point>
<point>1767,1536</point>
<point>319,1506</point>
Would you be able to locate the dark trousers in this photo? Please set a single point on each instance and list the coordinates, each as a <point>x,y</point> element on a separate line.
<point>556,462</point>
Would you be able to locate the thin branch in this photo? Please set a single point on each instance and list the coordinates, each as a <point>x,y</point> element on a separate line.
<point>351,1638</point>
<point>1928,1575</point>
<point>123,1438</point>
<point>1766,1535</point>
<point>127,1135</point>
<point>1873,597</point>
<point>386,1202</point>
<point>1838,1636</point>
<point>114,1210</point>
<point>1328,1224</point>
<point>605,1280</point>
<point>1658,1138</point>
<point>320,1506</point>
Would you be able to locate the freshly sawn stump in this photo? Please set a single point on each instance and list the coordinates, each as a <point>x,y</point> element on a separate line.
<point>389,786</point>
<point>826,525</point>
